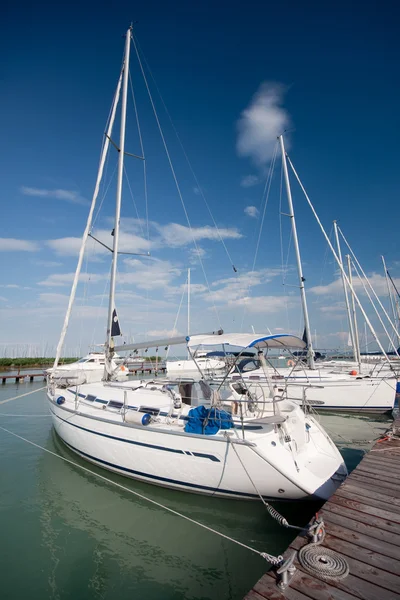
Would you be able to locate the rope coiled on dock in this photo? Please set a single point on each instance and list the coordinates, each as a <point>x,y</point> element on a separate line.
<point>323,562</point>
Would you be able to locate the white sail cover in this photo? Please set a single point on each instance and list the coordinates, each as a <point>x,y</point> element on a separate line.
<point>248,340</point>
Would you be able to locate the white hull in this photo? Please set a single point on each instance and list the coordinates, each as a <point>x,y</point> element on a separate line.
<point>205,464</point>
<point>188,368</point>
<point>333,392</point>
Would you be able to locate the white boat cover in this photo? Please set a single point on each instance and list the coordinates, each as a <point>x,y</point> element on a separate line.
<point>248,340</point>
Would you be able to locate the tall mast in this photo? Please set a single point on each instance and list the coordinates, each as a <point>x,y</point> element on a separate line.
<point>357,354</point>
<point>298,257</point>
<point>109,346</point>
<point>88,223</point>
<point>389,289</point>
<point>346,296</point>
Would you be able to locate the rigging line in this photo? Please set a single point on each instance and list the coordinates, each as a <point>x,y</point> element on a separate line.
<point>265,194</point>
<point>104,195</point>
<point>268,557</point>
<point>175,177</point>
<point>23,395</point>
<point>143,154</point>
<point>337,259</point>
<point>177,317</point>
<point>370,285</point>
<point>374,307</point>
<point>187,159</point>
<point>134,203</point>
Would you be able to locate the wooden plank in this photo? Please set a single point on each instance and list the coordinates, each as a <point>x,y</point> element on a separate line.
<point>364,528</point>
<point>367,581</point>
<point>267,588</point>
<point>364,541</point>
<point>372,486</point>
<point>357,497</point>
<point>253,595</point>
<point>380,458</point>
<point>318,589</point>
<point>365,555</point>
<point>363,517</point>
<point>376,472</point>
<point>366,508</point>
<point>381,464</point>
<point>366,478</point>
<point>366,492</point>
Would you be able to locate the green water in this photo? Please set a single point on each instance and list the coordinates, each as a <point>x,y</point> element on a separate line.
<point>65,534</point>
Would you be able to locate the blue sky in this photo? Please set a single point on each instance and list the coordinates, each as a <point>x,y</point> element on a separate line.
<point>232,77</point>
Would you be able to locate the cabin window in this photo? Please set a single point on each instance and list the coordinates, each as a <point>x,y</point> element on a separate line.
<point>90,398</point>
<point>115,404</point>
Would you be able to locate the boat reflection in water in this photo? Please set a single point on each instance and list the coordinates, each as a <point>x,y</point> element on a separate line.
<point>106,543</point>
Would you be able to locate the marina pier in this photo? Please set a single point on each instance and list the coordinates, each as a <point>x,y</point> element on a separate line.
<point>362,525</point>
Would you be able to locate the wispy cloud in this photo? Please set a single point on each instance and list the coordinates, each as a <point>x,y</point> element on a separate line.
<point>251,211</point>
<point>58,194</point>
<point>47,263</point>
<point>249,180</point>
<point>175,235</point>
<point>14,245</point>
<point>377,281</point>
<point>261,123</point>
<point>65,279</point>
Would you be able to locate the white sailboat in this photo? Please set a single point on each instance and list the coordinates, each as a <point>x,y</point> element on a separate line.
<point>184,435</point>
<point>327,387</point>
<point>88,369</point>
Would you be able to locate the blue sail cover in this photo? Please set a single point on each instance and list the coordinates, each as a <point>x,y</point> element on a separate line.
<point>207,421</point>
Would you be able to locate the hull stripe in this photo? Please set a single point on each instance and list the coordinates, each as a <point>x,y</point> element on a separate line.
<point>143,444</point>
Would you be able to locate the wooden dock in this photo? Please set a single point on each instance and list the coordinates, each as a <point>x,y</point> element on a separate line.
<point>24,377</point>
<point>21,377</point>
<point>362,523</point>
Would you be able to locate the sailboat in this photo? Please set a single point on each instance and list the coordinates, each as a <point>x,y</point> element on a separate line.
<point>186,435</point>
<point>323,386</point>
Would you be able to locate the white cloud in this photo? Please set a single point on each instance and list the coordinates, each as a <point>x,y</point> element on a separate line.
<point>128,242</point>
<point>46,263</point>
<point>175,235</point>
<point>3,299</point>
<point>377,281</point>
<point>197,191</point>
<point>49,298</point>
<point>65,279</point>
<point>10,286</point>
<point>251,211</point>
<point>264,304</point>
<point>161,333</point>
<point>59,194</point>
<point>233,289</point>
<point>261,123</point>
<point>249,180</point>
<point>14,245</point>
<point>149,274</point>
<point>195,254</point>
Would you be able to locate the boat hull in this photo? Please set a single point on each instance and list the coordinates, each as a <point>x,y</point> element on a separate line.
<point>195,463</point>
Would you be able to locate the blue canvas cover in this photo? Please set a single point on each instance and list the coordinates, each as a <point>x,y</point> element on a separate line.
<point>207,421</point>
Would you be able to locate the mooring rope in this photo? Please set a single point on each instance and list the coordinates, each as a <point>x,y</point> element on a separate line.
<point>22,395</point>
<point>274,560</point>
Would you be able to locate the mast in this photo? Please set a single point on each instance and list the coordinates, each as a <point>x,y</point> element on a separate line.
<point>389,289</point>
<point>109,345</point>
<point>310,351</point>
<point>353,309</point>
<point>346,296</point>
<point>89,222</point>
